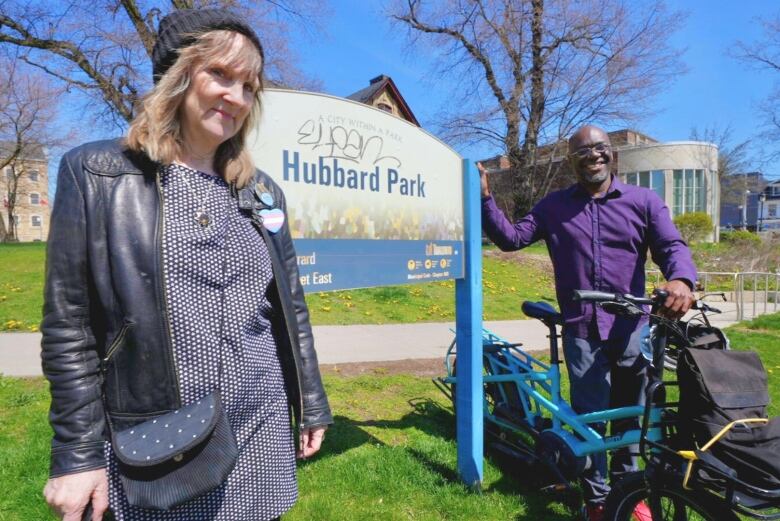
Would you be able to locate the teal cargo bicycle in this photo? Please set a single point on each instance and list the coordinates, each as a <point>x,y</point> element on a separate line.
<point>528,422</point>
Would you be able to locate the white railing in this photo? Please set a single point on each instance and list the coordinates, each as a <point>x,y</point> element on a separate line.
<point>759,294</point>
<point>756,292</point>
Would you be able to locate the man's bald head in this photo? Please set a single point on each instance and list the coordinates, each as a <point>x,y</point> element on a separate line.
<point>587,135</point>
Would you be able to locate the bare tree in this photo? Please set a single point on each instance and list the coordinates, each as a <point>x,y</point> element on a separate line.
<point>734,164</point>
<point>103,47</point>
<point>28,104</point>
<point>765,55</point>
<point>529,72</point>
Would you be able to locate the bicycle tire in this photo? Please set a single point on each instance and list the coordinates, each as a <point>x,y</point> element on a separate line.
<point>676,503</point>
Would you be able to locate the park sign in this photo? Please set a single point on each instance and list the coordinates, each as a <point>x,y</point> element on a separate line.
<point>372,199</point>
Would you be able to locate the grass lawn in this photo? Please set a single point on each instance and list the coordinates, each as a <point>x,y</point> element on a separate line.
<point>391,454</point>
<point>508,280</point>
<point>21,285</point>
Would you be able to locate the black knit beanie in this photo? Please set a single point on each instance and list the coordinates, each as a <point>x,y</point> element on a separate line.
<point>180,28</point>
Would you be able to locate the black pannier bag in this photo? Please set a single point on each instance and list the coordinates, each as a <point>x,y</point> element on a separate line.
<point>718,387</point>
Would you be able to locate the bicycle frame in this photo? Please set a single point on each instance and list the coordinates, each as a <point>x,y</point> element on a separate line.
<point>539,388</point>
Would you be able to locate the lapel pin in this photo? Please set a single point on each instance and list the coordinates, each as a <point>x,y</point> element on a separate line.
<point>273,219</point>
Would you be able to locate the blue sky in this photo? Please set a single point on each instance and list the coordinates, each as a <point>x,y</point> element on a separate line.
<point>716,91</point>
<point>357,42</point>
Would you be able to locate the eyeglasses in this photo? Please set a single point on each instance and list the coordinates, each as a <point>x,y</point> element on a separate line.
<point>584,152</point>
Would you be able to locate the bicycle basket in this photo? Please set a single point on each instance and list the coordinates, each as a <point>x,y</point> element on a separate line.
<point>718,387</point>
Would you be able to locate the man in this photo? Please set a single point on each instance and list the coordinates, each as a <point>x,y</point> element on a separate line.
<point>598,232</point>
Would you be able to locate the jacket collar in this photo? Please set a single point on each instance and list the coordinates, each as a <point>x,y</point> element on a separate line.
<point>117,159</point>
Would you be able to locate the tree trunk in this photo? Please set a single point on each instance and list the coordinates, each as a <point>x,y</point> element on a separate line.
<point>3,232</point>
<point>527,189</point>
<point>10,234</point>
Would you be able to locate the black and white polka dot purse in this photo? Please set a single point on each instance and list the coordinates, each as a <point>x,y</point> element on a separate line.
<point>176,457</point>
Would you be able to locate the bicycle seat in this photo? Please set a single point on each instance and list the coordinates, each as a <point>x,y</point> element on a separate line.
<point>543,311</point>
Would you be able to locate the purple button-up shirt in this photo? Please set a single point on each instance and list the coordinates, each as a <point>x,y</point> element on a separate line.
<point>599,244</point>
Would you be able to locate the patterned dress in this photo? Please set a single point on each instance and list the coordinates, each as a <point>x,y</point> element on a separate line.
<point>216,280</point>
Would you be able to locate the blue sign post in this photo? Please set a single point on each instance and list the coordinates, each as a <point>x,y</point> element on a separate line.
<point>468,315</point>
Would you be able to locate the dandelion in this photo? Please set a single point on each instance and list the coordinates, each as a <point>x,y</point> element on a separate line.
<point>12,324</point>
<point>325,308</point>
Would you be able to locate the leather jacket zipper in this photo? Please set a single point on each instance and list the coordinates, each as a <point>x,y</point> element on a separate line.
<point>258,222</point>
<point>115,344</point>
<point>164,304</point>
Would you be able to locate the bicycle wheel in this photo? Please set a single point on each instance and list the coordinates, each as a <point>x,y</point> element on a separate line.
<point>672,502</point>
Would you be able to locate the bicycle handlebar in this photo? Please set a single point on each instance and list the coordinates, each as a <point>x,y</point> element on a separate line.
<point>658,296</point>
<point>595,296</point>
<point>601,296</point>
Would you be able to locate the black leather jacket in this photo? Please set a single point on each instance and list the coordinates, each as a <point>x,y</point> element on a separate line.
<point>106,336</point>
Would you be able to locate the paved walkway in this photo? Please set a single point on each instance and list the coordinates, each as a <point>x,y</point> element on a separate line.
<point>19,352</point>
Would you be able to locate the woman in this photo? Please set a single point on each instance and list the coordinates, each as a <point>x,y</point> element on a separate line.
<point>165,283</point>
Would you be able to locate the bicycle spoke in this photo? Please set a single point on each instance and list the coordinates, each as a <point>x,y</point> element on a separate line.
<point>680,510</point>
<point>654,502</point>
<point>665,508</point>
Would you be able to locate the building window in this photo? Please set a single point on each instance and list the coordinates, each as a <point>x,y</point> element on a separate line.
<point>17,220</point>
<point>771,210</point>
<point>776,190</point>
<point>690,191</point>
<point>35,199</point>
<point>35,221</point>
<point>385,107</point>
<point>653,179</point>
<point>32,175</point>
<point>9,173</point>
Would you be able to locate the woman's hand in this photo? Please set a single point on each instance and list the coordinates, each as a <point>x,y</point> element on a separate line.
<point>311,439</point>
<point>70,494</point>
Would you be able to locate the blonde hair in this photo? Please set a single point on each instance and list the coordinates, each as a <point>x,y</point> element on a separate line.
<point>156,129</point>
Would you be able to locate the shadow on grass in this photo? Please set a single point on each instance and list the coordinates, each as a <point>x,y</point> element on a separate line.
<point>436,420</point>
<point>426,416</point>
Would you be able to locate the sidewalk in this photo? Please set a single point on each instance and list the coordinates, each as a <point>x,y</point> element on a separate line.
<point>20,352</point>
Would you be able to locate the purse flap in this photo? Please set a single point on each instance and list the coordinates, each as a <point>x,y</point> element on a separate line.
<point>169,435</point>
<point>734,379</point>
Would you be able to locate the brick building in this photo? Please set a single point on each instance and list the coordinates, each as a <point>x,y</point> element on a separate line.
<point>384,95</point>
<point>32,210</point>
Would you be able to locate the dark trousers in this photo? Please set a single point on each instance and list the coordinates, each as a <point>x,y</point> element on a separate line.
<point>606,374</point>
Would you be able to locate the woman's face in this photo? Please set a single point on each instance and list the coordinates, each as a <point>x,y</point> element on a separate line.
<point>217,103</point>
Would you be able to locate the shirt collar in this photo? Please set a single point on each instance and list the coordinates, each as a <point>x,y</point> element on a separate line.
<point>616,187</point>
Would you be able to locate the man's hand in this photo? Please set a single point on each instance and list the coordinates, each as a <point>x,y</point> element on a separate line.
<point>70,494</point>
<point>678,302</point>
<point>483,181</point>
<point>311,440</point>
